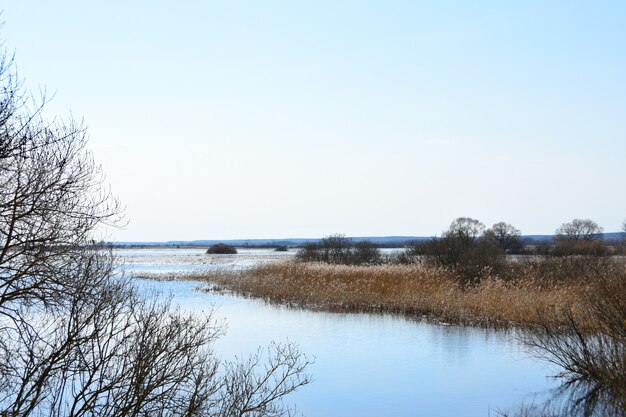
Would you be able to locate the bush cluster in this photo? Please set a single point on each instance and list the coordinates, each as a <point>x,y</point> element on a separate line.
<point>469,260</point>
<point>467,250</point>
<point>338,249</point>
<point>470,251</point>
<point>567,247</point>
<point>222,249</point>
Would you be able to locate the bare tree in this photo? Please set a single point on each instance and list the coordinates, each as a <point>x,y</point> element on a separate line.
<point>76,339</point>
<point>507,237</point>
<point>465,228</point>
<point>580,237</point>
<point>580,229</point>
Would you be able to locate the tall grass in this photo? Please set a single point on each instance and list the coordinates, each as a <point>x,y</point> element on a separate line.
<point>413,289</point>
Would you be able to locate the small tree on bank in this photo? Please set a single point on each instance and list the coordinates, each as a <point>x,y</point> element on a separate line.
<point>579,230</point>
<point>506,236</point>
<point>466,229</point>
<point>580,237</point>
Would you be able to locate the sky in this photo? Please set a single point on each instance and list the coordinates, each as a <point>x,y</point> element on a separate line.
<point>277,119</point>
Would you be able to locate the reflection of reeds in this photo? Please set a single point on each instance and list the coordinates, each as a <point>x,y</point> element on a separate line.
<point>412,289</point>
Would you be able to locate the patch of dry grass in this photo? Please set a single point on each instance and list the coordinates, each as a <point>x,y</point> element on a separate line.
<point>413,289</point>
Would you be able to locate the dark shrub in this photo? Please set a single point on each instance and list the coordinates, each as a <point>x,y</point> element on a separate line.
<point>569,247</point>
<point>403,257</point>
<point>310,252</point>
<point>554,269</point>
<point>464,250</point>
<point>281,249</point>
<point>365,253</point>
<point>412,253</point>
<point>470,260</point>
<point>541,249</point>
<point>222,249</point>
<point>338,249</point>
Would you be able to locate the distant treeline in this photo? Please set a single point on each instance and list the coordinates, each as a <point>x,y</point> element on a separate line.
<point>470,249</point>
<point>380,242</point>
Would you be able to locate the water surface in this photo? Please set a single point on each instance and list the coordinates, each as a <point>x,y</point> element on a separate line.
<point>365,364</point>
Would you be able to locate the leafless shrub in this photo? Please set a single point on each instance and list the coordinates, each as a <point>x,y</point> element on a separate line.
<point>589,345</point>
<point>554,269</point>
<point>337,249</point>
<point>533,410</point>
<point>411,254</point>
<point>464,251</point>
<point>506,236</point>
<point>567,247</point>
<point>365,252</point>
<point>248,391</point>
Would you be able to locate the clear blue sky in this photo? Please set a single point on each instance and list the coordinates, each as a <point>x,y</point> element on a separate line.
<point>246,119</point>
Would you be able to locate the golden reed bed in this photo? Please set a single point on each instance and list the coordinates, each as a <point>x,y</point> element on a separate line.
<point>418,290</point>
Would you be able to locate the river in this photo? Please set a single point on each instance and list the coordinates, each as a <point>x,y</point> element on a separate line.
<point>365,364</point>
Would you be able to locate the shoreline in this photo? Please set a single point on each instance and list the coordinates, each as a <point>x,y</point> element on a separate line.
<point>412,291</point>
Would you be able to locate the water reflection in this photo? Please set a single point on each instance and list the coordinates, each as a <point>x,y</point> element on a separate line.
<point>379,365</point>
<point>572,399</point>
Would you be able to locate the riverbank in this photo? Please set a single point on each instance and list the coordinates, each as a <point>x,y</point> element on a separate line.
<point>571,310</point>
<point>421,291</point>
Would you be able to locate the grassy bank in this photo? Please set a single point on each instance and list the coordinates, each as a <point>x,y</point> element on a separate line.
<point>418,290</point>
<point>572,309</point>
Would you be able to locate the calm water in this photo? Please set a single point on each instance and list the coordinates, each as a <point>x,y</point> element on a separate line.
<point>365,365</point>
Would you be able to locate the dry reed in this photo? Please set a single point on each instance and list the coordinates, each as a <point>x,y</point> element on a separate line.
<point>413,289</point>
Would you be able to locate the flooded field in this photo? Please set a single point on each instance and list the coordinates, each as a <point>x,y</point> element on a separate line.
<point>365,365</point>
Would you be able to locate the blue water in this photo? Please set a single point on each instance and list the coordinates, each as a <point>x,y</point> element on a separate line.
<point>375,365</point>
